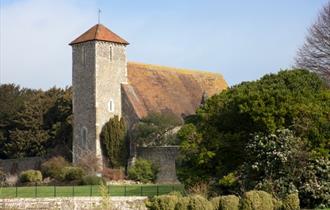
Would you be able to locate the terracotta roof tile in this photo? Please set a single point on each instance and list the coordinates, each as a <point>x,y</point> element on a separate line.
<point>101,33</point>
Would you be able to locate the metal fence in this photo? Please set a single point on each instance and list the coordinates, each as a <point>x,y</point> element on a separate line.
<point>87,190</point>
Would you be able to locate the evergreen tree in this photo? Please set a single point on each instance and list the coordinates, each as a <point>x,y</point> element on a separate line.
<point>113,142</point>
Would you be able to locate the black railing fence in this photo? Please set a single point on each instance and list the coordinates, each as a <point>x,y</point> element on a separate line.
<point>87,190</point>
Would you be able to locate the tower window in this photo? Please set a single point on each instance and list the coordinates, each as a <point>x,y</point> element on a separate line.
<point>83,56</point>
<point>110,53</point>
<point>84,137</point>
<point>111,106</point>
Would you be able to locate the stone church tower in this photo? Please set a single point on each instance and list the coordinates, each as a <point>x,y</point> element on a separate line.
<point>99,68</point>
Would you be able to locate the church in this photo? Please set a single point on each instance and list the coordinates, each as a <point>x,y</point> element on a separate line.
<point>105,84</point>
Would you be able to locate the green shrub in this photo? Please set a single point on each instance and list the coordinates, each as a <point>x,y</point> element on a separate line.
<point>257,200</point>
<point>182,204</point>
<point>229,202</point>
<point>142,170</point>
<point>91,180</point>
<point>2,177</point>
<point>216,203</point>
<point>198,202</point>
<point>163,202</point>
<point>53,167</point>
<point>291,202</point>
<point>72,173</point>
<point>30,176</point>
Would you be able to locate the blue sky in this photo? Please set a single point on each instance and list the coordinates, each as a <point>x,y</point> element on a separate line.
<point>242,40</point>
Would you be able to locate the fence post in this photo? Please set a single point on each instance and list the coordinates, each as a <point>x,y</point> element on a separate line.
<point>35,190</point>
<point>73,190</point>
<point>108,189</point>
<point>91,191</point>
<point>125,190</point>
<point>157,190</point>
<point>16,190</point>
<point>141,190</point>
<point>54,190</point>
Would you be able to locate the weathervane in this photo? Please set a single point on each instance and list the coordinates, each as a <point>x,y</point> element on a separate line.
<point>99,15</point>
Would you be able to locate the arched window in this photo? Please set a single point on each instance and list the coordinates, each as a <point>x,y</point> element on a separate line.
<point>111,106</point>
<point>84,137</point>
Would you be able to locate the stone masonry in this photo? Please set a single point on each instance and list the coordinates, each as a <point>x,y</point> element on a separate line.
<point>99,69</point>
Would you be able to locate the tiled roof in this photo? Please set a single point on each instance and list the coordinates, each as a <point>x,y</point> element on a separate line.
<point>153,88</point>
<point>101,33</point>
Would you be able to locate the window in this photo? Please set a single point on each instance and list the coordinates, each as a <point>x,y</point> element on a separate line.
<point>83,55</point>
<point>84,137</point>
<point>110,53</point>
<point>111,106</point>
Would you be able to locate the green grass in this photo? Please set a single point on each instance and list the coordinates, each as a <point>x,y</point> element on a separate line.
<point>87,190</point>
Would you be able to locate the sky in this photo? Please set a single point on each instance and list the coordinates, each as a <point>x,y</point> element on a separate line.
<point>242,40</point>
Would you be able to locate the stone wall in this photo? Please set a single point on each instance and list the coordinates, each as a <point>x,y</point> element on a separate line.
<point>16,166</point>
<point>164,157</point>
<point>77,203</point>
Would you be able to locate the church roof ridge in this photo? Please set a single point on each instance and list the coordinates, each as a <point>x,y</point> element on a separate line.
<point>174,69</point>
<point>101,33</point>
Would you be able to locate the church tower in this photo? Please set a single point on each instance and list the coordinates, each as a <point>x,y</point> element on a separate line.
<point>99,67</point>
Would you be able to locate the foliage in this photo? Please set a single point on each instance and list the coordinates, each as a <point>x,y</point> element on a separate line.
<point>72,173</point>
<point>163,202</point>
<point>113,142</point>
<point>88,161</point>
<point>200,188</point>
<point>182,204</point>
<point>229,202</point>
<point>315,53</point>
<point>91,180</point>
<point>2,178</point>
<point>30,176</point>
<point>142,170</point>
<point>229,184</point>
<point>199,202</point>
<point>257,200</point>
<point>156,129</point>
<point>214,144</point>
<point>113,174</point>
<point>34,122</point>
<point>216,203</point>
<point>105,197</point>
<point>274,163</point>
<point>314,188</point>
<point>291,202</point>
<point>53,167</point>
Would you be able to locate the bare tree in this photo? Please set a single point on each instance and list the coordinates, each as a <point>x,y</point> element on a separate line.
<point>314,55</point>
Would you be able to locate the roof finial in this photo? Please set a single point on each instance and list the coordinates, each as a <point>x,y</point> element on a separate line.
<point>99,15</point>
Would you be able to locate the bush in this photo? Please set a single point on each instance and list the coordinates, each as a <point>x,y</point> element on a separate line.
<point>72,173</point>
<point>229,202</point>
<point>113,174</point>
<point>30,176</point>
<point>257,200</point>
<point>198,202</point>
<point>142,170</point>
<point>182,204</point>
<point>216,203</point>
<point>2,177</point>
<point>291,202</point>
<point>53,167</point>
<point>163,202</point>
<point>91,180</point>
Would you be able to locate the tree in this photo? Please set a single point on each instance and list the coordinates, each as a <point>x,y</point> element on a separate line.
<point>315,53</point>
<point>113,142</point>
<point>156,129</point>
<point>214,143</point>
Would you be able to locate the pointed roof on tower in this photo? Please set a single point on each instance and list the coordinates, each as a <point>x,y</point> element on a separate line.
<point>101,33</point>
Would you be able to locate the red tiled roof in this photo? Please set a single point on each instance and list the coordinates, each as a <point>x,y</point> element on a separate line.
<point>101,33</point>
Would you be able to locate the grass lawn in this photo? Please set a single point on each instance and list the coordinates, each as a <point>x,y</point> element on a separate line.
<point>87,190</point>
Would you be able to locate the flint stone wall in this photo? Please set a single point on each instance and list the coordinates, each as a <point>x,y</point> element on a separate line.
<point>16,166</point>
<point>77,203</point>
<point>164,157</point>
